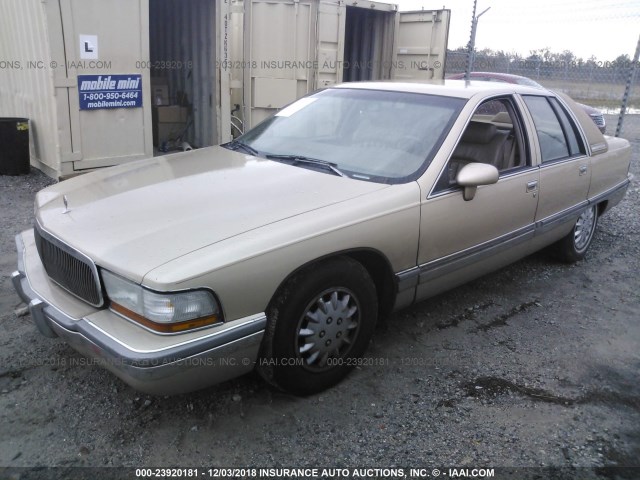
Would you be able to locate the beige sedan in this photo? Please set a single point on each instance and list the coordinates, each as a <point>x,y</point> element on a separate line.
<point>280,250</point>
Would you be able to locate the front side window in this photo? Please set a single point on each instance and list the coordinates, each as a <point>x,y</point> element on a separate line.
<point>556,133</point>
<point>380,136</point>
<point>493,136</point>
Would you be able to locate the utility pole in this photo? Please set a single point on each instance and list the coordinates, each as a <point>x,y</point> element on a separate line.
<point>472,41</point>
<point>627,89</point>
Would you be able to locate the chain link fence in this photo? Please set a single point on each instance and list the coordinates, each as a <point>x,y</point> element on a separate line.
<point>600,84</point>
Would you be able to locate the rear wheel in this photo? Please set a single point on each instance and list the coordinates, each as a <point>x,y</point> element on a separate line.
<point>320,323</point>
<point>574,246</point>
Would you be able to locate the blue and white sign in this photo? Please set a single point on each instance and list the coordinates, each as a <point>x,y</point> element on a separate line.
<point>110,91</point>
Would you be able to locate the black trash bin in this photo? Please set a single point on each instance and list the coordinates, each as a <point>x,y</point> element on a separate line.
<point>14,146</point>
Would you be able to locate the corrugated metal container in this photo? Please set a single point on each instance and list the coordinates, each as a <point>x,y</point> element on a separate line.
<point>72,62</point>
<point>26,87</point>
<point>327,42</point>
<point>183,37</point>
<point>100,78</point>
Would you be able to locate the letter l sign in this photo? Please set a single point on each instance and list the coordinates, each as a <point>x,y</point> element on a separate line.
<point>89,47</point>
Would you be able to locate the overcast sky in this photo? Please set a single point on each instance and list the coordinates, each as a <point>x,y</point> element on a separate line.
<point>604,28</point>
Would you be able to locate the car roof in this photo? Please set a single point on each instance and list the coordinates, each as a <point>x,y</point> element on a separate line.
<point>447,88</point>
<point>509,76</point>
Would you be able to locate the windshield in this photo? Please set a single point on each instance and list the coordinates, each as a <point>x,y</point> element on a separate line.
<point>371,135</point>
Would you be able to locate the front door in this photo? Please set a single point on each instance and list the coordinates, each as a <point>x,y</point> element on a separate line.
<point>459,239</point>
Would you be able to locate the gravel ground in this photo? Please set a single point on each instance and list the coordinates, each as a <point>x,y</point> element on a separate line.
<point>535,365</point>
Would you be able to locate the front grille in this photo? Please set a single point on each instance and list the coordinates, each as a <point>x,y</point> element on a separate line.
<point>68,268</point>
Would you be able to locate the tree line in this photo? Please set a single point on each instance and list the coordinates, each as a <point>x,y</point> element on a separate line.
<point>549,57</point>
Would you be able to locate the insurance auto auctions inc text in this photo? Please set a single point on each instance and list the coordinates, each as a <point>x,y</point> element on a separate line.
<point>340,473</point>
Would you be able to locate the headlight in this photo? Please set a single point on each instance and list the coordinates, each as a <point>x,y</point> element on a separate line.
<point>164,312</point>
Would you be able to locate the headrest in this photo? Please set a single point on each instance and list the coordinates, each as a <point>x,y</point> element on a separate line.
<point>501,117</point>
<point>479,132</point>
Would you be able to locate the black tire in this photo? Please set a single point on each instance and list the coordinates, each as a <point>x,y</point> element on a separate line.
<point>305,349</point>
<point>574,246</point>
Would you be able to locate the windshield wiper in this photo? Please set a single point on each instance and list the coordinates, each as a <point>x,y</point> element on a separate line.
<point>309,161</point>
<point>236,145</point>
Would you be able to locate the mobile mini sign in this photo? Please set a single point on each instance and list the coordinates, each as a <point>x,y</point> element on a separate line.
<point>110,91</point>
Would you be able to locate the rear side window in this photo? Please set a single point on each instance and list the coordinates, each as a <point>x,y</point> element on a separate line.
<point>557,133</point>
<point>576,147</point>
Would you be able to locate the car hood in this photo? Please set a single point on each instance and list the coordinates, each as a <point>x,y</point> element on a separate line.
<point>136,217</point>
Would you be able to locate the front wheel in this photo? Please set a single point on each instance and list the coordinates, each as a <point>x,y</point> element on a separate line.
<point>574,246</point>
<point>320,323</point>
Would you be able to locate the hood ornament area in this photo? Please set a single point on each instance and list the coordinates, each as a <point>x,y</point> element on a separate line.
<point>66,204</point>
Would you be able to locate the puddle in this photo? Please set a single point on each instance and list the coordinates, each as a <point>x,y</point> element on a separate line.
<point>493,386</point>
<point>469,314</point>
<point>616,110</point>
<point>501,320</point>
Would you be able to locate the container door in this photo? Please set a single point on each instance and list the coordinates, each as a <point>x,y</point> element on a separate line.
<point>330,43</point>
<point>223,69</point>
<point>290,48</point>
<point>421,44</point>
<point>106,45</point>
<point>62,86</point>
<point>183,52</point>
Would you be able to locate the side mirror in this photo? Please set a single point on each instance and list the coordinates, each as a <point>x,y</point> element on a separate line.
<point>472,175</point>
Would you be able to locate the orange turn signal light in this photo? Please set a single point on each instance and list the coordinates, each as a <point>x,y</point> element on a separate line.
<point>177,327</point>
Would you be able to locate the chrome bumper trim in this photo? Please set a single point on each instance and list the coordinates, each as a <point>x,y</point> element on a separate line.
<point>16,279</point>
<point>36,309</point>
<point>180,368</point>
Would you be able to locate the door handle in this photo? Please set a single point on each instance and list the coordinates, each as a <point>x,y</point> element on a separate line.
<point>583,169</point>
<point>532,186</point>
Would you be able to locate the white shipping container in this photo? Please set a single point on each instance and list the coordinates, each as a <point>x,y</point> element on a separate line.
<point>221,65</point>
<point>284,49</point>
<point>45,45</point>
<point>24,91</point>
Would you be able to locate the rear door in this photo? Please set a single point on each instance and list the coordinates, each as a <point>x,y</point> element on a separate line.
<point>421,44</point>
<point>565,172</point>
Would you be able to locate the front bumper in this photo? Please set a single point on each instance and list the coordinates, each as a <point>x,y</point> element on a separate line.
<point>156,364</point>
